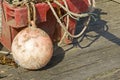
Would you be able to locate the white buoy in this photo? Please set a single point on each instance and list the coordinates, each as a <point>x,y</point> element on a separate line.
<point>32,48</point>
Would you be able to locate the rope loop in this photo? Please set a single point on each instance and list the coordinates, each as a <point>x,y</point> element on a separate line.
<point>69,12</point>
<point>72,15</point>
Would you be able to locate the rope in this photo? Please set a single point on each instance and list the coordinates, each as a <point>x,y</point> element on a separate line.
<point>72,13</point>
<point>67,25</point>
<point>68,14</point>
<point>62,25</point>
<point>29,17</point>
<point>33,12</point>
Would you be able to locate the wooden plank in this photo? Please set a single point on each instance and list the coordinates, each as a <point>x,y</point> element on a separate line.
<point>118,1</point>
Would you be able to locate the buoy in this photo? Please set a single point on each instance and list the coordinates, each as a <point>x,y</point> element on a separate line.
<point>32,48</point>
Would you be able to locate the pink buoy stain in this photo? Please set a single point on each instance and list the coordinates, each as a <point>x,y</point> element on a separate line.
<point>32,48</point>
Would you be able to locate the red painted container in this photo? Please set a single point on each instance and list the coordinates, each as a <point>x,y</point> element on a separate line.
<point>15,20</point>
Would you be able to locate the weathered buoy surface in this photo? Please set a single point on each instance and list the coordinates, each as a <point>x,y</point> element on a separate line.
<point>32,48</point>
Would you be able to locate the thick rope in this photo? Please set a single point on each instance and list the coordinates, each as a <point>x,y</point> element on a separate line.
<point>29,17</point>
<point>62,25</point>
<point>33,12</point>
<point>69,14</point>
<point>72,13</point>
<point>67,25</point>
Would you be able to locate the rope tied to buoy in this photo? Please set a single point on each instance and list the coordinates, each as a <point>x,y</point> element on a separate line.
<point>69,14</point>
<point>32,18</point>
<point>31,14</point>
<point>36,48</point>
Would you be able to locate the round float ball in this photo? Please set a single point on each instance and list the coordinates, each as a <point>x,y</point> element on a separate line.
<point>32,48</point>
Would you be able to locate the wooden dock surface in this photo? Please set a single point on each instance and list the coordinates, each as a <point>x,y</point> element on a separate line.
<point>97,57</point>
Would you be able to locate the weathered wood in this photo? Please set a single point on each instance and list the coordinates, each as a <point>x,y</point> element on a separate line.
<point>117,1</point>
<point>97,57</point>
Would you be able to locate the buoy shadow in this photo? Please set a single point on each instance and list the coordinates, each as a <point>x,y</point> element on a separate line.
<point>58,56</point>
